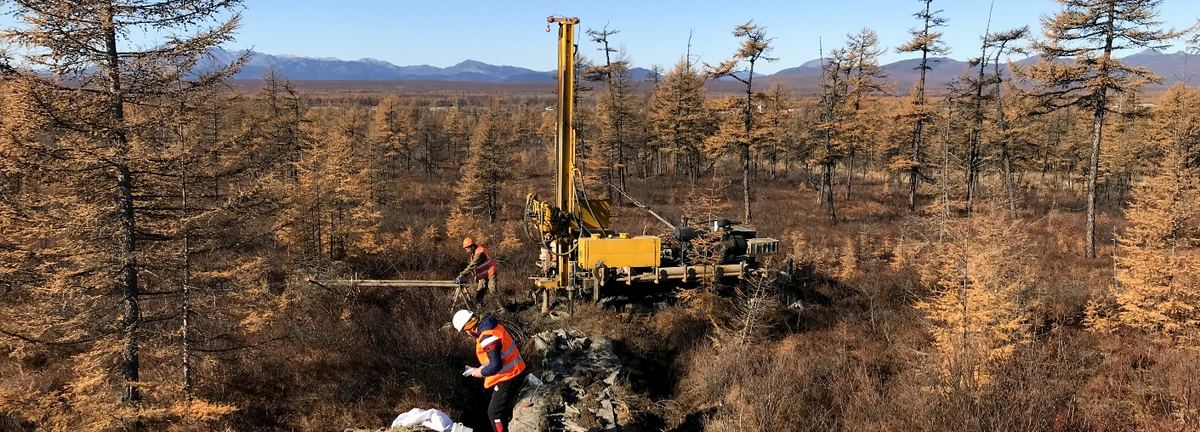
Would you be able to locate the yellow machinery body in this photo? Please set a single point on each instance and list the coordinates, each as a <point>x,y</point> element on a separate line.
<point>579,250</point>
<point>589,216</point>
<point>623,251</point>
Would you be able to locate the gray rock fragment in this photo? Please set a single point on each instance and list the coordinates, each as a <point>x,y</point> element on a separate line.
<point>607,414</point>
<point>541,345</point>
<point>612,378</point>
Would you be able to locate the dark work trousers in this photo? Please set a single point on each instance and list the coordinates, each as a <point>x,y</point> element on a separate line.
<point>504,399</point>
<point>484,287</point>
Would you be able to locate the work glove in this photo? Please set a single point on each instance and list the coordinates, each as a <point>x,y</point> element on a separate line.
<point>470,371</point>
<point>458,280</point>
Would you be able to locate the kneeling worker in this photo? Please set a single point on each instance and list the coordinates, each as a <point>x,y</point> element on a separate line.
<point>501,365</point>
<point>482,267</point>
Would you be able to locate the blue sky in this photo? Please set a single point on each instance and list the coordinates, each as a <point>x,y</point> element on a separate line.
<point>444,32</point>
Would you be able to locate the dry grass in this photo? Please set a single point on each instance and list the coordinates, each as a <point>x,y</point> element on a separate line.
<point>856,358</point>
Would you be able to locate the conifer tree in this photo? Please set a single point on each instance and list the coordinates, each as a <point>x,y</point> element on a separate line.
<point>927,42</point>
<point>458,132</point>
<point>227,180</point>
<point>975,92</point>
<point>617,114</point>
<point>972,96</point>
<point>489,166</point>
<point>777,133</point>
<point>100,166</point>
<point>99,142</point>
<point>526,120</point>
<point>427,135</point>
<point>755,47</point>
<point>614,106</point>
<point>680,122</point>
<point>803,150</point>
<point>729,129</point>
<point>1158,257</point>
<point>1130,152</point>
<point>865,82</point>
<point>332,214</point>
<point>831,128</point>
<point>982,303</point>
<point>1090,32</point>
<point>274,122</point>
<point>1003,44</point>
<point>387,134</point>
<point>655,74</point>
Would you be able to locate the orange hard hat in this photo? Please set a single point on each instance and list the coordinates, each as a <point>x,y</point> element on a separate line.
<point>468,242</point>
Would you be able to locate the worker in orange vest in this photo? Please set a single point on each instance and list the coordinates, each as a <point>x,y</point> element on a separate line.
<point>482,267</point>
<point>501,365</point>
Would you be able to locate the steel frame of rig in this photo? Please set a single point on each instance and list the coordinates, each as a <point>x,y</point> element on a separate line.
<point>580,252</point>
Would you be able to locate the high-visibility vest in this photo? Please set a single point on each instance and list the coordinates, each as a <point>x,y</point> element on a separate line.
<point>487,268</point>
<point>509,354</point>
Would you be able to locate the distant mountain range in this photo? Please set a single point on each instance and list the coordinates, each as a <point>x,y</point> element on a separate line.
<point>327,68</point>
<point>1175,67</point>
<point>1172,67</point>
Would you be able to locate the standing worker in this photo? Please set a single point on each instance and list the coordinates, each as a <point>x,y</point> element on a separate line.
<point>481,266</point>
<point>501,365</point>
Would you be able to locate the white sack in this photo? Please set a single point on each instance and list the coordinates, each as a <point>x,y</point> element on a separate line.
<point>433,419</point>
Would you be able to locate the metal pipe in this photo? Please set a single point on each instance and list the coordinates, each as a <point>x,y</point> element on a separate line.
<point>685,273</point>
<point>387,283</point>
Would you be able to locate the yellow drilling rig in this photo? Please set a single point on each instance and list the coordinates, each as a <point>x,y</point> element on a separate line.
<point>578,250</point>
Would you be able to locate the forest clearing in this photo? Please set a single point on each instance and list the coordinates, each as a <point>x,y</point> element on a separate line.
<point>1015,250</point>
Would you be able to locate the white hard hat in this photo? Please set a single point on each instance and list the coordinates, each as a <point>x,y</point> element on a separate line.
<point>461,318</point>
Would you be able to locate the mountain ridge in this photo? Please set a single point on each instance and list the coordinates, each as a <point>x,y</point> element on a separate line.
<point>1173,67</point>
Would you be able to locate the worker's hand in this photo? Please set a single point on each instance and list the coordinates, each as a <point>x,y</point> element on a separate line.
<point>458,280</point>
<point>475,372</point>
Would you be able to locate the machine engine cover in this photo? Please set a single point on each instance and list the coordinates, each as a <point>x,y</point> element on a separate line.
<point>640,251</point>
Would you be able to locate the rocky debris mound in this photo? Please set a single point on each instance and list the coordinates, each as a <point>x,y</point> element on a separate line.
<point>576,393</point>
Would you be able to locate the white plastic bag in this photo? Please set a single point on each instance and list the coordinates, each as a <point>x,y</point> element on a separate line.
<point>433,419</point>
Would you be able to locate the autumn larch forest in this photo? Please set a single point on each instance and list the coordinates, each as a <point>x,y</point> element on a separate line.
<point>1015,250</point>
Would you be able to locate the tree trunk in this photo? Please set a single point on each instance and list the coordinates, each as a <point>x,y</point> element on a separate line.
<point>1005,156</point>
<point>1101,101</point>
<point>827,180</point>
<point>915,172</point>
<point>746,179</point>
<point>620,163</point>
<point>774,157</point>
<point>1009,187</point>
<point>1093,172</point>
<point>849,174</point>
<point>973,165</point>
<point>945,181</point>
<point>132,317</point>
<point>429,159</point>
<point>185,328</point>
<point>746,146</point>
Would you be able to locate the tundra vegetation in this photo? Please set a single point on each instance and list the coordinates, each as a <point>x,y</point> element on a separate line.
<point>1016,250</point>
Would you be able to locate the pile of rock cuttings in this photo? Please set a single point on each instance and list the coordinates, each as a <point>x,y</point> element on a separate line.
<point>576,391</point>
